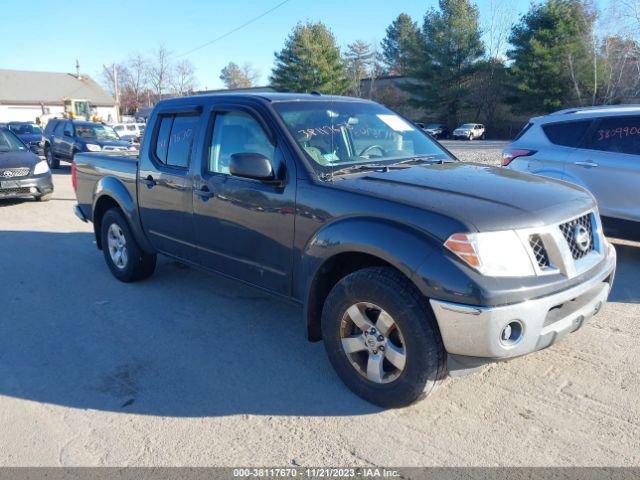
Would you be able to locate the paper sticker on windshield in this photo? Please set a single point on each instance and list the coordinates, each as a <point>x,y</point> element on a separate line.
<point>396,123</point>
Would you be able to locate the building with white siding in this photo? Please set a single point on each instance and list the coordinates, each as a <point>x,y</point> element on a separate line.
<point>25,95</point>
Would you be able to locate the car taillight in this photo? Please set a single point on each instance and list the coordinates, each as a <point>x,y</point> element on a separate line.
<point>74,182</point>
<point>509,155</point>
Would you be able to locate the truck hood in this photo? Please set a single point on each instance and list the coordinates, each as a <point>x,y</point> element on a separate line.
<point>18,159</point>
<point>482,197</point>
<point>31,138</point>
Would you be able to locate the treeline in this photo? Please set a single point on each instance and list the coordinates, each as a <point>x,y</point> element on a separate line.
<point>561,53</point>
<point>142,80</point>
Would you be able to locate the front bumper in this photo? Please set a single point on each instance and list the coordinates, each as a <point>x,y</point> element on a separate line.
<point>477,333</point>
<point>26,187</point>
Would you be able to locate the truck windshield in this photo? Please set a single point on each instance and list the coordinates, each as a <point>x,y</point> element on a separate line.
<point>25,129</point>
<point>99,132</point>
<point>337,134</point>
<point>9,142</point>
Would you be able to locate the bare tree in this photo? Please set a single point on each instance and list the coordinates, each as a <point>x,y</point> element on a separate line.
<point>137,78</point>
<point>159,72</point>
<point>183,78</point>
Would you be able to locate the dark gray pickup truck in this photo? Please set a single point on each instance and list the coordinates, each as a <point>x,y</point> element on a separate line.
<point>409,264</point>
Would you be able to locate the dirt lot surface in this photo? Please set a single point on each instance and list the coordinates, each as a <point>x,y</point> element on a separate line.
<point>192,369</point>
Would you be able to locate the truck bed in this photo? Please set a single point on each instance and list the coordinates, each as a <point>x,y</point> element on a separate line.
<point>94,168</point>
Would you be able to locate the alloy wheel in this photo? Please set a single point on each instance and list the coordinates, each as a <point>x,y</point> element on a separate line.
<point>117,244</point>
<point>373,343</point>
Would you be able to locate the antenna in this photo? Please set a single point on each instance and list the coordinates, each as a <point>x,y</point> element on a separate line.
<point>78,69</point>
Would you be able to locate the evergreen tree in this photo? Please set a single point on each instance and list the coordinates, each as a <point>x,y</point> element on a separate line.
<point>310,60</point>
<point>553,56</point>
<point>359,58</point>
<point>401,43</point>
<point>448,61</point>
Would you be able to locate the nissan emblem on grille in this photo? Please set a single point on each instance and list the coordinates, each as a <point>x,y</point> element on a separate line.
<point>582,237</point>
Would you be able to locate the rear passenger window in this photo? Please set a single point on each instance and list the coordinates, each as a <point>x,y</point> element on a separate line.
<point>523,131</point>
<point>175,139</point>
<point>568,134</point>
<point>617,134</point>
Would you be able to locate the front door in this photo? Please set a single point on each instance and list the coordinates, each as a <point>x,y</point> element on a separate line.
<point>165,185</point>
<point>244,227</point>
<point>608,164</point>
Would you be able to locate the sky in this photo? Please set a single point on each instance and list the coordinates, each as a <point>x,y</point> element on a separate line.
<point>50,36</point>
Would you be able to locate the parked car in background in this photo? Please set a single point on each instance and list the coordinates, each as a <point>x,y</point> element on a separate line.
<point>469,131</point>
<point>597,148</point>
<point>129,129</point>
<point>22,173</point>
<point>437,130</point>
<point>407,263</point>
<point>64,138</point>
<point>30,134</point>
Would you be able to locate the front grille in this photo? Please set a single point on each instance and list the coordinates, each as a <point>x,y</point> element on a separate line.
<point>14,191</point>
<point>13,173</point>
<point>579,247</point>
<point>539,251</point>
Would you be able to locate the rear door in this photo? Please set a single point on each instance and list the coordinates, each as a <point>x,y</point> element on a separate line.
<point>608,164</point>
<point>245,227</point>
<point>165,183</point>
<point>552,158</point>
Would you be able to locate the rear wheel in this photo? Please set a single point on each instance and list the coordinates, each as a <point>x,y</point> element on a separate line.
<point>382,338</point>
<point>123,255</point>
<point>51,159</point>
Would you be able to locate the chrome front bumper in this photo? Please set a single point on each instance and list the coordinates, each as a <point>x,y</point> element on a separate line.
<point>472,331</point>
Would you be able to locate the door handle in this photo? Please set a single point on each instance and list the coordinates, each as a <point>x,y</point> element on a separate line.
<point>204,193</point>
<point>149,182</point>
<point>588,164</point>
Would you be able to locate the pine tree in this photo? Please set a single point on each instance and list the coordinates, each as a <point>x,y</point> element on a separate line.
<point>359,58</point>
<point>553,56</point>
<point>448,61</point>
<point>310,61</point>
<point>401,43</point>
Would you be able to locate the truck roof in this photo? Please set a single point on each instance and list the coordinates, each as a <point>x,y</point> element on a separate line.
<point>271,97</point>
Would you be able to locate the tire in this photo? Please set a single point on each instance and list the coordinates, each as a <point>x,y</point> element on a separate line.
<point>51,159</point>
<point>132,263</point>
<point>384,297</point>
<point>44,198</point>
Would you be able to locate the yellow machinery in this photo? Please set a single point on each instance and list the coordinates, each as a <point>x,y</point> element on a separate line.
<point>77,109</point>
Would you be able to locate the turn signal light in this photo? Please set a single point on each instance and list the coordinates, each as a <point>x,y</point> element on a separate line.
<point>74,181</point>
<point>463,247</point>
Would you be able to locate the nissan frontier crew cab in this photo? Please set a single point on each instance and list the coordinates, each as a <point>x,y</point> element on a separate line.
<point>408,264</point>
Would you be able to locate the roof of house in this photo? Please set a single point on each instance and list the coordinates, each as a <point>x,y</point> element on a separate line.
<point>18,87</point>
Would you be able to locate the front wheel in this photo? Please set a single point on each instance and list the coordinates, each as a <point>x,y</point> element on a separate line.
<point>382,338</point>
<point>123,255</point>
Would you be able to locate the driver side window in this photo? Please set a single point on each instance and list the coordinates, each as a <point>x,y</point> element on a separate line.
<point>236,132</point>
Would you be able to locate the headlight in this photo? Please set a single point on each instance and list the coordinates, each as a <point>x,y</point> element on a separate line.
<point>494,254</point>
<point>92,147</point>
<point>41,167</point>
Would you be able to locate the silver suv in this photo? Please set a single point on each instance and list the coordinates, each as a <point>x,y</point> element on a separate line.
<point>595,147</point>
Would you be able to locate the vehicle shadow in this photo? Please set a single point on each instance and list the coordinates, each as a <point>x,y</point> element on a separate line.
<point>183,343</point>
<point>626,286</point>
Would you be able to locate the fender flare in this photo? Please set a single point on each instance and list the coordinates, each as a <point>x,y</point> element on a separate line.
<point>115,191</point>
<point>398,245</point>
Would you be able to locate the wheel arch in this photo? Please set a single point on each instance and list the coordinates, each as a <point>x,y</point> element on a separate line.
<point>109,193</point>
<point>347,246</point>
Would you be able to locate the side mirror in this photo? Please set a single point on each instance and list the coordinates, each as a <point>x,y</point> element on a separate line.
<point>251,165</point>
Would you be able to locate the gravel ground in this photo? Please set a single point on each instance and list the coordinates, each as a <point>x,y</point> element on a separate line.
<point>190,369</point>
<point>489,151</point>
